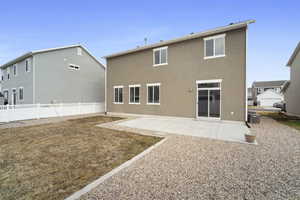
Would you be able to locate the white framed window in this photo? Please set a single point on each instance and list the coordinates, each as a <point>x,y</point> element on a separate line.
<point>79,51</point>
<point>21,93</point>
<point>15,69</point>
<point>134,94</point>
<point>74,67</point>
<point>153,94</point>
<point>214,46</point>
<point>27,66</point>
<point>118,94</point>
<point>5,94</point>
<point>8,73</point>
<point>160,56</point>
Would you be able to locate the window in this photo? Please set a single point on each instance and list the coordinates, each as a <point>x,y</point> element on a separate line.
<point>26,66</point>
<point>160,56</point>
<point>79,51</point>
<point>118,94</point>
<point>21,90</point>
<point>134,94</point>
<point>214,46</point>
<point>209,85</point>
<point>153,93</point>
<point>8,71</point>
<point>74,67</point>
<point>2,78</point>
<point>5,93</point>
<point>15,70</point>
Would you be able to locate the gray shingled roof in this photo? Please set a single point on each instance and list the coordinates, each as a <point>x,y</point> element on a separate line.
<point>264,84</point>
<point>31,53</point>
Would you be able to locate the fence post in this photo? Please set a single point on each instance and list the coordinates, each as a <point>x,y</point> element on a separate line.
<point>38,105</point>
<point>8,113</point>
<point>79,108</point>
<point>61,109</point>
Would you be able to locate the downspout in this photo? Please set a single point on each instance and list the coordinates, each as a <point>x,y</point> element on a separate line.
<point>105,89</point>
<point>246,89</point>
<point>33,80</point>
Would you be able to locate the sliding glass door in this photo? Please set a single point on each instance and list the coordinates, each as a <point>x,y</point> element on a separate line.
<point>209,100</point>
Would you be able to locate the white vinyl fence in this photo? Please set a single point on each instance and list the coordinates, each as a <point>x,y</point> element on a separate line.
<point>36,111</point>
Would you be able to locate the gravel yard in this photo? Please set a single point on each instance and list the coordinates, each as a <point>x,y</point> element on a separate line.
<point>186,167</point>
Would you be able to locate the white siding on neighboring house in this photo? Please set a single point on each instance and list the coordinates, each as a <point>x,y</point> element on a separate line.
<point>269,97</point>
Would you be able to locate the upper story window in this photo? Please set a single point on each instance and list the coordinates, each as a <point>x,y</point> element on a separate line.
<point>8,71</point>
<point>27,66</point>
<point>74,67</point>
<point>160,56</point>
<point>134,94</point>
<point>15,69</point>
<point>214,46</point>
<point>153,94</point>
<point>118,94</point>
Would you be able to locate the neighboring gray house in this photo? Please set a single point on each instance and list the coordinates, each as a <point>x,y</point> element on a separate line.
<point>67,74</point>
<point>258,87</point>
<point>202,75</point>
<point>292,88</point>
<point>249,97</point>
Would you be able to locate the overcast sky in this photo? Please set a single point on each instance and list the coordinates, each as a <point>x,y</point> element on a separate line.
<point>105,27</point>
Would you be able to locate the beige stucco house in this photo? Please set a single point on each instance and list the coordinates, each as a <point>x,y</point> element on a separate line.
<point>201,75</point>
<point>292,89</point>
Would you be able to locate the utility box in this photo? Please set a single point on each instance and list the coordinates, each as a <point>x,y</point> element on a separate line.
<point>253,118</point>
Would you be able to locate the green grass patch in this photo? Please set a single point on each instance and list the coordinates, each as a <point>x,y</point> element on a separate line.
<point>291,121</point>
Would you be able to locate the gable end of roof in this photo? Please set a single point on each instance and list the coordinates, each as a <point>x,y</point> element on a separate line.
<point>32,53</point>
<point>293,56</point>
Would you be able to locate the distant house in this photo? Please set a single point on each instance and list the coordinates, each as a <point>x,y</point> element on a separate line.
<point>291,89</point>
<point>249,96</point>
<point>268,98</point>
<point>259,87</point>
<point>67,74</point>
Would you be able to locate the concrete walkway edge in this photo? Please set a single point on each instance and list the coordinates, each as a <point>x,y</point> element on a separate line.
<point>101,179</point>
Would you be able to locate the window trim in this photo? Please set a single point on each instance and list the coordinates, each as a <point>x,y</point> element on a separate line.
<point>8,73</point>
<point>115,87</point>
<point>152,84</point>
<point>134,86</point>
<point>73,67</point>
<point>159,49</point>
<point>27,65</point>
<point>15,67</point>
<point>6,90</point>
<point>20,93</point>
<point>214,46</point>
<point>12,93</point>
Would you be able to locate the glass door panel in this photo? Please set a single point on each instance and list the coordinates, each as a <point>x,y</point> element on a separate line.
<point>203,103</point>
<point>214,103</point>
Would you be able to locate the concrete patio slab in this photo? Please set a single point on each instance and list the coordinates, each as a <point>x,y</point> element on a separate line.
<point>221,130</point>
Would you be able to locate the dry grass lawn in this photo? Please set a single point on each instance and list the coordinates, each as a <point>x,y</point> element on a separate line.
<point>291,121</point>
<point>52,161</point>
